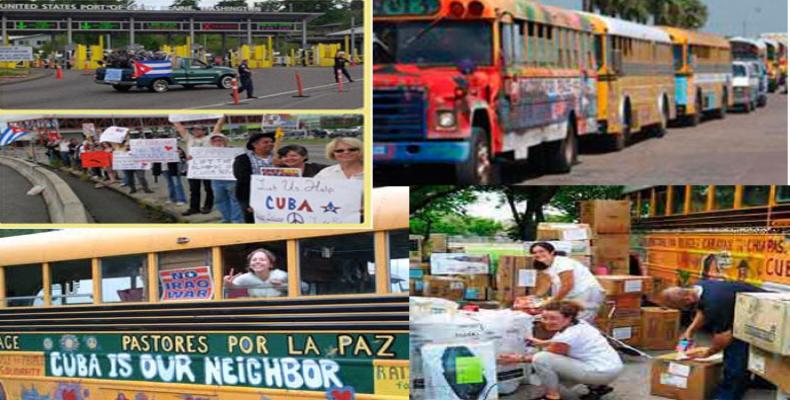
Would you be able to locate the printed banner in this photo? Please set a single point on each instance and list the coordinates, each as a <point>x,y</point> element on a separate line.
<point>154,150</point>
<point>212,162</point>
<point>458,263</point>
<point>305,200</point>
<point>122,160</point>
<point>114,134</point>
<point>16,53</point>
<point>186,283</point>
<point>89,129</point>
<point>271,171</point>
<point>285,121</point>
<point>96,159</point>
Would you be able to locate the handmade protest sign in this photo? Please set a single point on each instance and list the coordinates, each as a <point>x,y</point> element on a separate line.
<point>192,117</point>
<point>114,134</point>
<point>95,159</point>
<point>186,283</point>
<point>122,160</point>
<point>154,150</point>
<point>272,171</point>
<point>305,200</point>
<point>214,163</point>
<point>89,129</point>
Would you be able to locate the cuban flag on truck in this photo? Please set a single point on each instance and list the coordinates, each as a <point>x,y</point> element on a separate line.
<point>9,134</point>
<point>153,68</point>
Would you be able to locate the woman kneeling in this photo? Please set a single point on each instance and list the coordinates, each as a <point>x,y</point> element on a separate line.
<point>577,354</point>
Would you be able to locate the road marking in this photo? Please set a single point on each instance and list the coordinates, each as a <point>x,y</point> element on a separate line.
<point>356,79</point>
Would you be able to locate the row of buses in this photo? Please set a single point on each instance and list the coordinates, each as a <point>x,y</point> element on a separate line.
<point>472,84</point>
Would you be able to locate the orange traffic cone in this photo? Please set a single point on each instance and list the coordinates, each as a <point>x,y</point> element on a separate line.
<point>235,91</point>
<point>299,85</point>
<point>59,73</point>
<point>86,70</point>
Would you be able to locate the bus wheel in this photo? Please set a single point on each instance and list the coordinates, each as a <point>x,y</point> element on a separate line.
<point>561,154</point>
<point>479,169</point>
<point>661,129</point>
<point>722,112</point>
<point>694,120</point>
<point>621,140</point>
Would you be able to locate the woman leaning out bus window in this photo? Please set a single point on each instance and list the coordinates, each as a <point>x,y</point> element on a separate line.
<point>261,279</point>
<point>577,354</point>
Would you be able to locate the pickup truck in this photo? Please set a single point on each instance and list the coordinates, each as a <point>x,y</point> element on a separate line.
<point>188,72</point>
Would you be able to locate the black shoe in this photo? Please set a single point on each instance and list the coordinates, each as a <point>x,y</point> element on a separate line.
<point>148,190</point>
<point>596,392</point>
<point>133,191</point>
<point>189,212</point>
<point>205,210</point>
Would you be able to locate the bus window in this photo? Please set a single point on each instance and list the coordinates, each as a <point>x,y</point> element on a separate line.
<point>699,198</point>
<point>755,196</point>
<point>531,43</point>
<point>185,275</point>
<point>661,201</point>
<point>644,203</point>
<point>518,40</point>
<point>123,278</point>
<point>677,51</point>
<point>678,199</point>
<point>247,274</point>
<point>342,264</point>
<point>72,282</point>
<point>24,290</point>
<point>507,43</point>
<point>782,194</point>
<point>724,197</point>
<point>399,260</point>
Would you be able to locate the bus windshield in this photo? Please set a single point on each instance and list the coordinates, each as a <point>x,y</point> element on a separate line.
<point>428,44</point>
<point>738,70</point>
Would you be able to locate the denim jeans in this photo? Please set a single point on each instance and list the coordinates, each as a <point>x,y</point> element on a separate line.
<point>130,176</point>
<point>225,201</point>
<point>736,372</point>
<point>175,188</point>
<point>64,156</point>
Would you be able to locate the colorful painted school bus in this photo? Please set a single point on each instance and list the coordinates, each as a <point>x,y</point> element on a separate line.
<point>713,232</point>
<point>703,74</point>
<point>636,81</point>
<point>772,63</point>
<point>112,314</point>
<point>470,84</point>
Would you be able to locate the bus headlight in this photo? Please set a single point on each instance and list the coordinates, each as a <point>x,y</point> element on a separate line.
<point>445,119</point>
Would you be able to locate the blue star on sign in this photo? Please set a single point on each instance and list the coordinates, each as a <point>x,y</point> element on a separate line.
<point>330,208</point>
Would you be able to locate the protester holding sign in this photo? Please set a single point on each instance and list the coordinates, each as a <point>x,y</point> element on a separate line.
<point>261,279</point>
<point>172,172</point>
<point>348,154</point>
<point>295,156</point>
<point>258,155</point>
<point>134,174</point>
<point>198,138</point>
<point>225,190</point>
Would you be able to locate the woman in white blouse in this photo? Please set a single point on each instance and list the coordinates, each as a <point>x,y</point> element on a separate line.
<point>348,154</point>
<point>261,279</point>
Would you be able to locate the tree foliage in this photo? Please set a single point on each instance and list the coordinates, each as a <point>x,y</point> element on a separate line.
<point>690,14</point>
<point>186,3</point>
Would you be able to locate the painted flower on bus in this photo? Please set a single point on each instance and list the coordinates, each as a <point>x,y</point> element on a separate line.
<point>48,344</point>
<point>69,343</point>
<point>91,342</point>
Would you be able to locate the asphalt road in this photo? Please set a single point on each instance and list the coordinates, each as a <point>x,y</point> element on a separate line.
<point>16,206</point>
<point>740,149</point>
<point>275,87</point>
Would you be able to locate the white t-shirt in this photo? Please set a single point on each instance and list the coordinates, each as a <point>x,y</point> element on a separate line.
<point>335,172</point>
<point>257,287</point>
<point>63,146</point>
<point>583,279</point>
<point>589,346</point>
<point>192,141</point>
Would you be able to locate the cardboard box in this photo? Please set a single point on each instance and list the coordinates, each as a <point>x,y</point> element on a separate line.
<point>438,242</point>
<point>627,330</point>
<point>763,319</point>
<point>606,216</point>
<point>476,286</point>
<point>563,231</point>
<point>459,264</point>
<point>657,286</point>
<point>615,266</point>
<point>624,284</point>
<point>773,367</point>
<point>569,247</point>
<point>683,380</point>
<point>660,328</point>
<point>621,306</point>
<point>513,277</point>
<point>612,246</point>
<point>446,287</point>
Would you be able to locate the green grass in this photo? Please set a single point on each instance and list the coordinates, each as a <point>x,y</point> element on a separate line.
<point>6,72</point>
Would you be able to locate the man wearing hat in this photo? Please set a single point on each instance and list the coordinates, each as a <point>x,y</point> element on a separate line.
<point>340,66</point>
<point>259,155</point>
<point>198,138</point>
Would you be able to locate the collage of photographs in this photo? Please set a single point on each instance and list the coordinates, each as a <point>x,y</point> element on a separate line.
<point>394,199</point>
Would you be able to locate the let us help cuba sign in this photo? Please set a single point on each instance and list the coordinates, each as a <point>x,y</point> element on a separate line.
<point>305,200</point>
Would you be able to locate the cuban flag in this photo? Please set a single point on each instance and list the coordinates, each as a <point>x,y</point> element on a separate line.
<point>9,134</point>
<point>153,68</point>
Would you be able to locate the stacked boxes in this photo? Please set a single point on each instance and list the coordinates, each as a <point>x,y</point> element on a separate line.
<point>610,221</point>
<point>763,321</point>
<point>446,287</point>
<point>660,328</point>
<point>514,276</point>
<point>620,315</point>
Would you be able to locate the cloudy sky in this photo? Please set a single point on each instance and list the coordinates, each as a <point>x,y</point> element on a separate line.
<point>726,17</point>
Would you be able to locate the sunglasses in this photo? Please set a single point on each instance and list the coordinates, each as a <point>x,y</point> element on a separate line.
<point>351,150</point>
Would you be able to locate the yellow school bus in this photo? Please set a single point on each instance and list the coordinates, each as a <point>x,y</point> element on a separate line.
<point>113,314</point>
<point>703,74</point>
<point>636,82</point>
<point>713,232</point>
